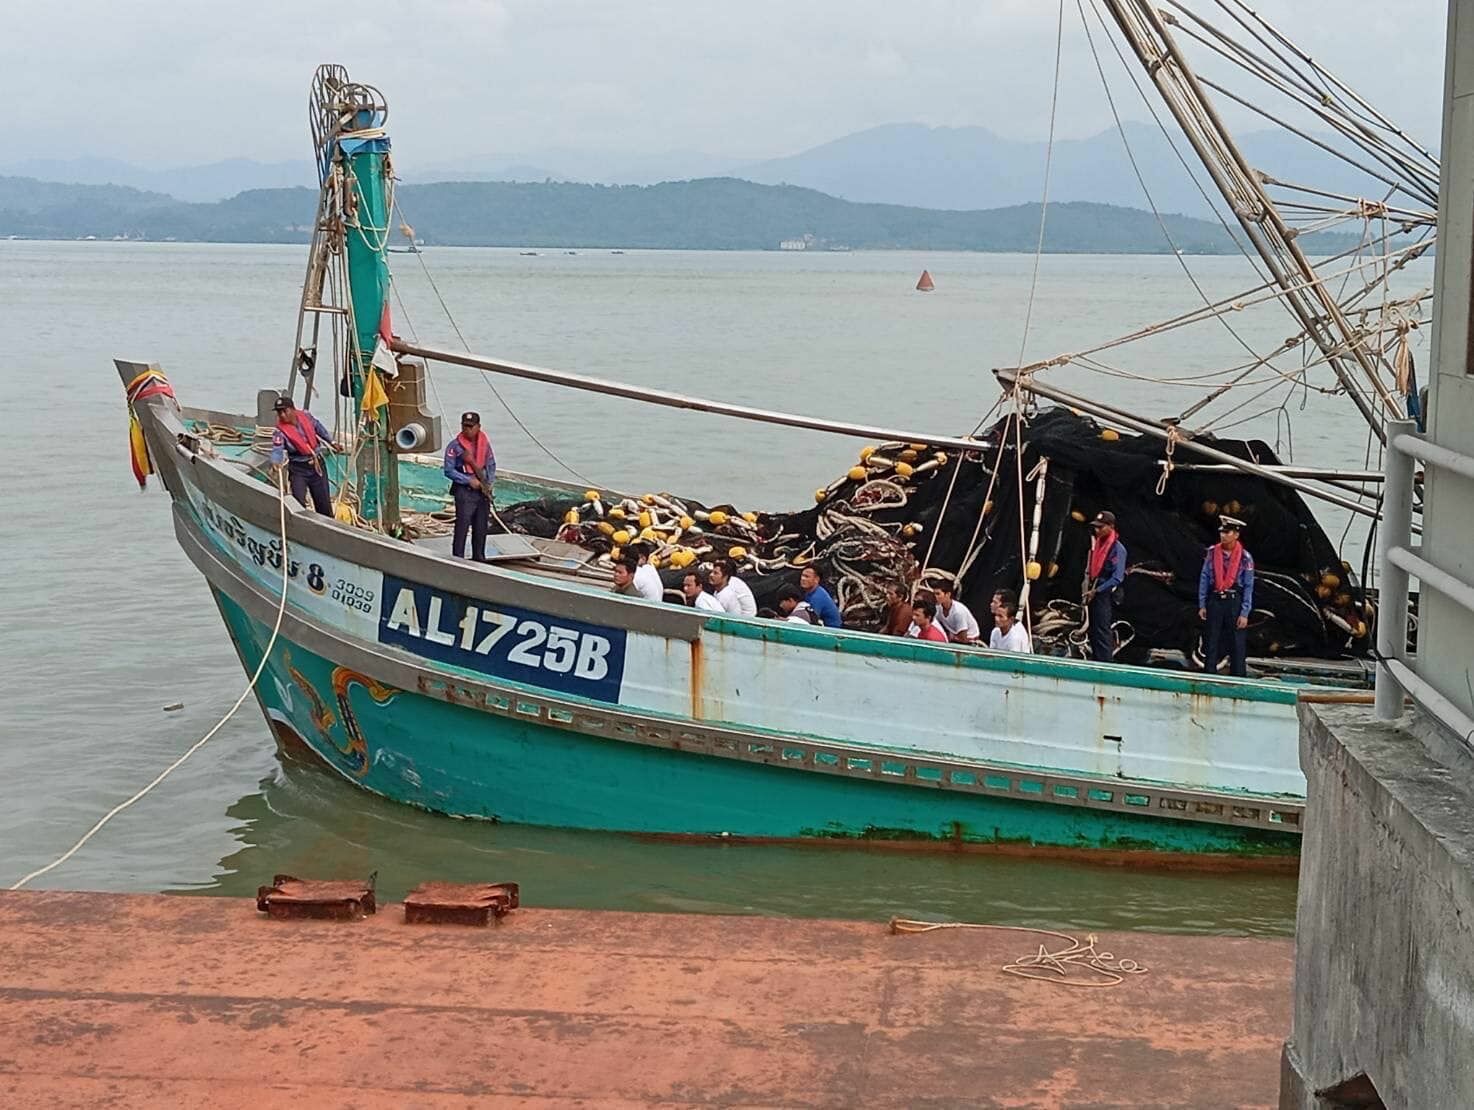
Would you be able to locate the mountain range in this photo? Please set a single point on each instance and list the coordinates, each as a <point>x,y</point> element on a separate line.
<point>909,164</point>
<point>705,214</point>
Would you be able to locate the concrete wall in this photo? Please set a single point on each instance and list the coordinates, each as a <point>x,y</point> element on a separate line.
<point>1384,945</point>
<point>1446,631</point>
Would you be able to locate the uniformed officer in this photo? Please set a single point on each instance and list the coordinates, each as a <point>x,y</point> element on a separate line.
<point>298,442</point>
<point>470,465</point>
<point>1225,599</point>
<point>1105,571</point>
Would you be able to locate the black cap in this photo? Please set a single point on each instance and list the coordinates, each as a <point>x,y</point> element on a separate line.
<point>1105,516</point>
<point>283,402</point>
<point>472,417</point>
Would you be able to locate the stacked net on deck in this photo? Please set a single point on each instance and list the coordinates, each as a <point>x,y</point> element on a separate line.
<point>905,505</point>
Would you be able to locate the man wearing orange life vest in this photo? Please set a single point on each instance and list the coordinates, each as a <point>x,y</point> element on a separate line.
<point>471,467</point>
<point>1225,599</point>
<point>299,442</point>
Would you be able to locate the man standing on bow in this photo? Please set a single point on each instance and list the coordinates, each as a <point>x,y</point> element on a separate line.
<point>298,442</point>
<point>471,467</point>
<point>1105,570</point>
<point>1225,599</point>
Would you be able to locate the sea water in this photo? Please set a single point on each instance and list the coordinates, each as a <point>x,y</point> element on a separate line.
<point>106,622</point>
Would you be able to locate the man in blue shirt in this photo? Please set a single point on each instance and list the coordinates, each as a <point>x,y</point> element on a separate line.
<point>1105,570</point>
<point>1225,599</point>
<point>470,465</point>
<point>817,597</point>
<point>299,442</point>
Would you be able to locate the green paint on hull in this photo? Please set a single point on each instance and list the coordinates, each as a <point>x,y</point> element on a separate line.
<point>457,760</point>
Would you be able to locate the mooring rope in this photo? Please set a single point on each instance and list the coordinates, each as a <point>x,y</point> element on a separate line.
<point>1046,965</point>
<point>281,496</point>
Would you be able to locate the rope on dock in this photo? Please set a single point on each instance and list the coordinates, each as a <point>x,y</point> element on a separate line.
<point>281,494</point>
<point>1103,969</point>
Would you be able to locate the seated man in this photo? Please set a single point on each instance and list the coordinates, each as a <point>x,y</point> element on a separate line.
<point>1009,634</point>
<point>697,596</point>
<point>956,618</point>
<point>647,578</point>
<point>924,613</point>
<point>817,598</point>
<point>897,619</point>
<point>733,593</point>
<point>624,576</point>
<point>794,608</point>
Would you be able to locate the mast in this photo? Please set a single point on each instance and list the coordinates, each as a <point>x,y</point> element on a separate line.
<point>353,164</point>
<point>1301,287</point>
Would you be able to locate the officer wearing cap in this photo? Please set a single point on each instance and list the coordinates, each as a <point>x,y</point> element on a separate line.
<point>470,465</point>
<point>1105,570</point>
<point>298,442</point>
<point>1225,598</point>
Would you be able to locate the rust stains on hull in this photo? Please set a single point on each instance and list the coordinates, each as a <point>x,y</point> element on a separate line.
<point>151,1001</point>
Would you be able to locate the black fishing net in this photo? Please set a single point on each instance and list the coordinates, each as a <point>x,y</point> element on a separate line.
<point>971,516</point>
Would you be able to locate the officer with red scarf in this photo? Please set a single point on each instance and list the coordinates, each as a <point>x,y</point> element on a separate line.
<point>1225,598</point>
<point>471,467</point>
<point>1105,570</point>
<point>299,442</point>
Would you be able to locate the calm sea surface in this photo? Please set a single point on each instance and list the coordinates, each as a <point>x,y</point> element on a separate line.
<point>105,621</point>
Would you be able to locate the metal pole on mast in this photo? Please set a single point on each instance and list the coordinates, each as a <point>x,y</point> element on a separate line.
<point>1145,30</point>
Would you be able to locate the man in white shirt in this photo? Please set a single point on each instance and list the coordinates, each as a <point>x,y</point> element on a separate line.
<point>647,578</point>
<point>956,618</point>
<point>731,591</point>
<point>697,597</point>
<point>1008,634</point>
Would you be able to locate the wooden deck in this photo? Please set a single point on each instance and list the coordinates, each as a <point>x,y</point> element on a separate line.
<point>147,1001</point>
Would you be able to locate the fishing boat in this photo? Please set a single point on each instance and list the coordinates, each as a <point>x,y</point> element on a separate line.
<point>521,689</point>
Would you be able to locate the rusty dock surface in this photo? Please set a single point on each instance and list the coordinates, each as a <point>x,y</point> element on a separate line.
<point>139,1000</point>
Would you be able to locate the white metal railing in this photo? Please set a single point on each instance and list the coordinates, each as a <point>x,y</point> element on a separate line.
<point>1399,559</point>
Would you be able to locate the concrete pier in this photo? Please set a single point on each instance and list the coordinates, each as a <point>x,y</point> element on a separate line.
<point>153,1001</point>
<point>1384,962</point>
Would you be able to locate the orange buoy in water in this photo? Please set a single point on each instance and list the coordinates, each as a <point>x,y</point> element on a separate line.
<point>925,284</point>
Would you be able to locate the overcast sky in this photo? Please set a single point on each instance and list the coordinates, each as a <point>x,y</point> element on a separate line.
<point>192,81</point>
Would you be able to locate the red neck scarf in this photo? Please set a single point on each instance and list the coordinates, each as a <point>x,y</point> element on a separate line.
<point>474,451</point>
<point>301,434</point>
<point>1226,566</point>
<point>1098,552</point>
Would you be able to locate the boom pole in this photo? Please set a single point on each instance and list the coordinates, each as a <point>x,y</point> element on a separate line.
<point>1300,286</point>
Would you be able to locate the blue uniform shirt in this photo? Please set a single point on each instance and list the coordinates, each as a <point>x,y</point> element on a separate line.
<point>455,453</point>
<point>822,604</point>
<point>1113,572</point>
<point>282,449</point>
<point>1244,583</point>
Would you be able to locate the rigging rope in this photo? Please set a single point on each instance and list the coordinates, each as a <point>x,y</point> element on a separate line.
<point>1059,36</point>
<point>449,316</point>
<point>281,496</point>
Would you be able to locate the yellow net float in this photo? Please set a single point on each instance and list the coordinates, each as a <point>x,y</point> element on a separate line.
<point>1033,570</point>
<point>909,455</point>
<point>645,519</point>
<point>343,513</point>
<point>904,469</point>
<point>614,553</point>
<point>1330,581</point>
<point>1110,435</point>
<point>737,551</point>
<point>1053,569</point>
<point>686,523</point>
<point>570,517</point>
<point>866,452</point>
<point>616,513</point>
<point>591,495</point>
<point>820,495</point>
<point>751,518</point>
<point>917,446</point>
<point>857,473</point>
<point>606,528</point>
<point>621,537</point>
<point>1077,516</point>
<point>717,517</point>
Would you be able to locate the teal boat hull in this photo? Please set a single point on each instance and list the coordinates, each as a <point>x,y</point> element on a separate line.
<point>458,759</point>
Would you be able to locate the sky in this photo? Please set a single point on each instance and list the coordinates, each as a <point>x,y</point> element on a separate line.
<point>180,83</point>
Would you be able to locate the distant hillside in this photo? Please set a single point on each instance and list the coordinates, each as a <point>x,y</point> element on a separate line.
<point>208,182</point>
<point>971,168</point>
<point>708,214</point>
